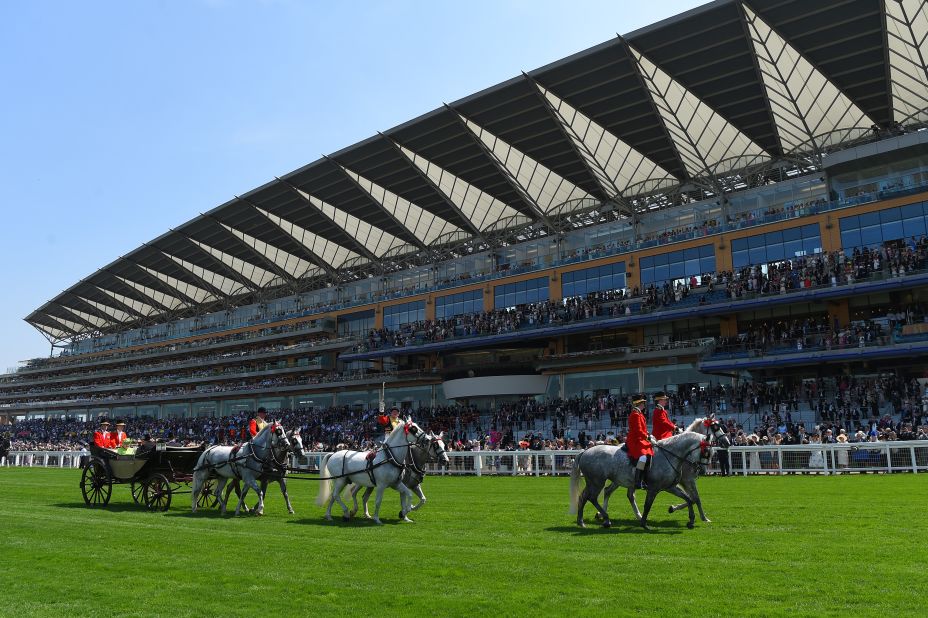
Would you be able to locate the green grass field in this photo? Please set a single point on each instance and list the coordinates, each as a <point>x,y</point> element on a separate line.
<point>481,546</point>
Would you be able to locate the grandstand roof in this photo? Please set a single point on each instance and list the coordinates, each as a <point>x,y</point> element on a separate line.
<point>686,102</point>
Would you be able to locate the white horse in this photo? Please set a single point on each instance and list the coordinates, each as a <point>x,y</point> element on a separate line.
<point>428,448</point>
<point>675,461</point>
<point>382,471</point>
<point>709,427</point>
<point>278,475</point>
<point>259,455</point>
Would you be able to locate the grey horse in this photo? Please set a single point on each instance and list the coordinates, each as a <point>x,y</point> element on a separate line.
<point>708,426</point>
<point>427,449</point>
<point>276,474</point>
<point>674,458</point>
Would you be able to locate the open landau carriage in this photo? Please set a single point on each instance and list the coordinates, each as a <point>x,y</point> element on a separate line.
<point>155,473</point>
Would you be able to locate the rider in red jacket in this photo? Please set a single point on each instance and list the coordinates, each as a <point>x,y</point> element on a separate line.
<point>639,442</point>
<point>661,425</point>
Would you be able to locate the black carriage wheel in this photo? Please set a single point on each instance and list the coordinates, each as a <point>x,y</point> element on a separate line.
<point>138,492</point>
<point>96,485</point>
<point>157,493</point>
<point>206,499</point>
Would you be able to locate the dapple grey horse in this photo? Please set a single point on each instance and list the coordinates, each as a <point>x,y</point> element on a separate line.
<point>672,458</point>
<point>247,463</point>
<point>428,448</point>
<point>384,470</point>
<point>708,426</point>
<point>278,475</point>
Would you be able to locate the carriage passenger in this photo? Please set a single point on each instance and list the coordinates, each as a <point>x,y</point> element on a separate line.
<point>639,442</point>
<point>101,437</point>
<point>661,425</point>
<point>116,437</point>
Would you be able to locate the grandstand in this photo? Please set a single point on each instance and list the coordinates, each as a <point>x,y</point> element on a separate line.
<point>730,202</point>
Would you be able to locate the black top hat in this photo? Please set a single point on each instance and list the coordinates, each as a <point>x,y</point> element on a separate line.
<point>104,421</point>
<point>660,395</point>
<point>636,399</point>
<point>262,411</point>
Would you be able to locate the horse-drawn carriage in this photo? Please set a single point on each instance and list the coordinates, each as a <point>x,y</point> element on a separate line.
<point>154,472</point>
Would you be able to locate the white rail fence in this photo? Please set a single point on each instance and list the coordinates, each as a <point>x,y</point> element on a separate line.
<point>743,460</point>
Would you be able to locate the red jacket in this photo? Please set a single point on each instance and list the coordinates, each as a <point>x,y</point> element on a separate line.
<point>116,438</point>
<point>637,441</point>
<point>661,425</point>
<point>102,439</point>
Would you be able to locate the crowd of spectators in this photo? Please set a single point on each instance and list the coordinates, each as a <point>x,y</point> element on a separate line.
<point>884,408</point>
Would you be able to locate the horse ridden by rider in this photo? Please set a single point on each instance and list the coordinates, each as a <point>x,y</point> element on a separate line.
<point>379,469</point>
<point>246,462</point>
<point>276,473</point>
<point>676,461</point>
<point>428,448</point>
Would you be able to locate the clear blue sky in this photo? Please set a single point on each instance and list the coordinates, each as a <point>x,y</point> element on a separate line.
<point>120,120</point>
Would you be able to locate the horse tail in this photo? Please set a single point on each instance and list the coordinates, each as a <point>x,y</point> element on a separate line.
<point>574,486</point>
<point>325,486</point>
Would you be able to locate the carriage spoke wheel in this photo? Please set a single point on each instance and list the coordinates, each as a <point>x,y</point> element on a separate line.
<point>207,499</point>
<point>138,493</point>
<point>96,485</point>
<point>157,493</point>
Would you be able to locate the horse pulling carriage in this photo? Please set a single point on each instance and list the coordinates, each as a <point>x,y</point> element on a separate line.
<point>155,474</point>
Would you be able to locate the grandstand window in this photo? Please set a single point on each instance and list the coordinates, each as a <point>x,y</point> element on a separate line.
<point>875,228</point>
<point>459,304</point>
<point>354,323</point>
<point>521,293</point>
<point>677,265</point>
<point>395,316</point>
<point>776,246</point>
<point>597,279</point>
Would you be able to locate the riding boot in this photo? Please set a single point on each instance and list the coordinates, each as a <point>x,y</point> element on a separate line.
<point>639,480</point>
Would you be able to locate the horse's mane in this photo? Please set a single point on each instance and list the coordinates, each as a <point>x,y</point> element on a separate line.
<point>695,425</point>
<point>684,436</point>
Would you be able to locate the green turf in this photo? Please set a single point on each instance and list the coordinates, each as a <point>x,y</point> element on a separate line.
<point>481,546</point>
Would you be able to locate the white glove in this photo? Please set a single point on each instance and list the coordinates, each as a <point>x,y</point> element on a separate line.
<point>652,440</point>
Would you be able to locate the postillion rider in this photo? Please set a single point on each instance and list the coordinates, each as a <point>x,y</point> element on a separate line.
<point>258,423</point>
<point>639,442</point>
<point>661,425</point>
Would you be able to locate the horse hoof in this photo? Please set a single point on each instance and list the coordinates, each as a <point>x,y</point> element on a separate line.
<point>707,520</point>
<point>407,520</point>
<point>378,522</point>
<point>670,510</point>
<point>598,516</point>
<point>690,525</point>
<point>645,526</point>
<point>291,511</point>
<point>607,524</point>
<point>581,524</point>
<point>345,518</point>
<point>328,518</point>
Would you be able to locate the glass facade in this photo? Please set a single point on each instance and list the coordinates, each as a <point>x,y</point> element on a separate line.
<point>597,279</point>
<point>675,265</point>
<point>355,323</point>
<point>776,246</point>
<point>395,316</point>
<point>458,304</point>
<point>521,293</point>
<point>875,228</point>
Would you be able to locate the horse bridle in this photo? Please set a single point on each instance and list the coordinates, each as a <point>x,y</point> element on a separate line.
<point>270,452</point>
<point>705,448</point>
<point>432,442</point>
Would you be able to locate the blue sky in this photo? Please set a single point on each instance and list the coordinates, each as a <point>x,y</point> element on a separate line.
<point>120,120</point>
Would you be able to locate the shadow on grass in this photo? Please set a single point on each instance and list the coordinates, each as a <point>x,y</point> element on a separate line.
<point>338,523</point>
<point>119,507</point>
<point>623,526</point>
